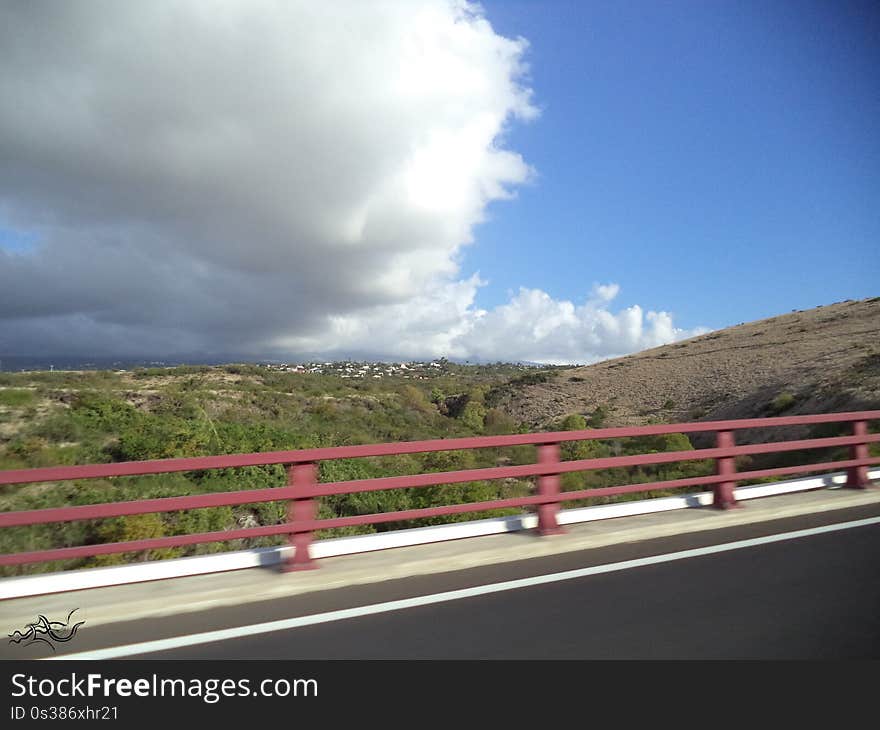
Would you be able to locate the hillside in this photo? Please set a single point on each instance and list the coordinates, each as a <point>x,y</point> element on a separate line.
<point>87,417</point>
<point>819,360</point>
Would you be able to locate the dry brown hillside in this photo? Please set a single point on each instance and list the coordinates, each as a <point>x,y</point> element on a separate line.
<point>819,360</point>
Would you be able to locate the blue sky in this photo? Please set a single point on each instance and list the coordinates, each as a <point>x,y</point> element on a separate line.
<point>16,240</point>
<point>720,160</point>
<point>294,180</point>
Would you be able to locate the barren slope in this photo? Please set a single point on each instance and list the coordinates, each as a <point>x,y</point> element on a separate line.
<point>826,359</point>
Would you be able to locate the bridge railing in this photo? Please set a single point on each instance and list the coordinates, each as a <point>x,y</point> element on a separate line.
<point>303,488</point>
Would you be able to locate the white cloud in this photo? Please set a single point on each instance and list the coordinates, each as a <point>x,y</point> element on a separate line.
<point>532,326</point>
<point>242,176</point>
<point>605,292</point>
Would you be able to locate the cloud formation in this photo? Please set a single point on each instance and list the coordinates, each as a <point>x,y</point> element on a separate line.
<point>266,177</point>
<point>532,327</point>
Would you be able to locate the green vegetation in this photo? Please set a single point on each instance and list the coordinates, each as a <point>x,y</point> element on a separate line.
<point>597,420</point>
<point>93,417</point>
<point>595,449</point>
<point>16,397</point>
<point>67,418</point>
<point>781,403</point>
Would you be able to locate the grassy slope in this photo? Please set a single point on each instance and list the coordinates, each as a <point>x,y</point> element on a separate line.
<point>89,417</point>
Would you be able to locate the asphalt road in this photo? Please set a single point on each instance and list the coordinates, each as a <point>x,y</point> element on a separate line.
<point>810,597</point>
<point>815,597</point>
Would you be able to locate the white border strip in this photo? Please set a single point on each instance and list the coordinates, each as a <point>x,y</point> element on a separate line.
<point>73,580</point>
<point>207,637</point>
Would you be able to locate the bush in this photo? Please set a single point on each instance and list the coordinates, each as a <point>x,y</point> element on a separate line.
<point>531,379</point>
<point>415,399</point>
<point>473,416</point>
<point>780,403</point>
<point>497,423</point>
<point>574,422</point>
<point>600,415</point>
<point>26,448</point>
<point>129,528</point>
<point>160,438</point>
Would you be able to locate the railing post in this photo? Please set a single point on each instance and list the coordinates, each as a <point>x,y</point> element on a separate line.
<point>548,487</point>
<point>299,510</point>
<point>723,492</point>
<point>857,476</point>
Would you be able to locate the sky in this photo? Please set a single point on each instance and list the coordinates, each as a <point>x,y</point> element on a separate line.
<point>542,181</point>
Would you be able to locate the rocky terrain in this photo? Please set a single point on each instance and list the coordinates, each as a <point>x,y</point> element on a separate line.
<point>819,360</point>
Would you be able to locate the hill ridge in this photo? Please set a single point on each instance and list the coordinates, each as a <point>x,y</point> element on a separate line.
<point>809,361</point>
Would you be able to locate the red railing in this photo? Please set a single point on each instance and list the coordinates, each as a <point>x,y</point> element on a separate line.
<point>303,488</point>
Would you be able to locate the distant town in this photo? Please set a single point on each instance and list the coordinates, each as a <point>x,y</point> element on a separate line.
<point>416,369</point>
<point>420,370</point>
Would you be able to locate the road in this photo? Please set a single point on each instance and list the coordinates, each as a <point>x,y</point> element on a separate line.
<point>813,596</point>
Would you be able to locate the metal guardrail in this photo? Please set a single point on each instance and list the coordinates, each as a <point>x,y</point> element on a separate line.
<point>303,488</point>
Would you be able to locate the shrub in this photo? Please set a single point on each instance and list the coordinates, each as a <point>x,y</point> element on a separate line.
<point>780,403</point>
<point>600,415</point>
<point>531,379</point>
<point>26,448</point>
<point>415,399</point>
<point>497,423</point>
<point>574,422</point>
<point>129,528</point>
<point>473,416</point>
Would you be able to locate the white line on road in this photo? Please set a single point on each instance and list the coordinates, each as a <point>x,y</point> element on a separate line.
<point>178,642</point>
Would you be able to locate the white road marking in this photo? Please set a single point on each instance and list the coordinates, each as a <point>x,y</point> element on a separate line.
<point>177,642</point>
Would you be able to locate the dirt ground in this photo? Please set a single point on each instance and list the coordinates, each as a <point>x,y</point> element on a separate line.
<point>814,361</point>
